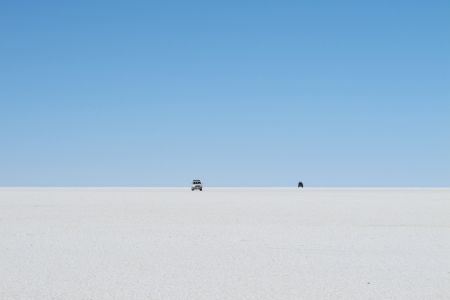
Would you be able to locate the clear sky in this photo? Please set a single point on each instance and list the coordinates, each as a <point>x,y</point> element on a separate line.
<point>237,93</point>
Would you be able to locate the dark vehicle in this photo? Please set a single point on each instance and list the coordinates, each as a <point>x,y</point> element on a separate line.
<point>300,184</point>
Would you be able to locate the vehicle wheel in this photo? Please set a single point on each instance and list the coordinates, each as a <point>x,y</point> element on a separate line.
<point>201,190</point>
<point>192,189</point>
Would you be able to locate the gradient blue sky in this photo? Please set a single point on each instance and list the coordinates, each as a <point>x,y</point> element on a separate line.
<point>237,93</point>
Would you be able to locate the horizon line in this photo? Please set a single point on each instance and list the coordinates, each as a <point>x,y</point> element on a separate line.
<point>214,187</point>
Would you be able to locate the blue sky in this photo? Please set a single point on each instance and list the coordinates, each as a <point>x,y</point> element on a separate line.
<point>237,93</point>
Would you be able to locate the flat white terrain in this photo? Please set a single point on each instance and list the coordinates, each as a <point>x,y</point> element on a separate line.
<point>137,243</point>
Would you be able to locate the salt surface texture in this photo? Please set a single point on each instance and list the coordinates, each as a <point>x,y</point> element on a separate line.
<point>131,243</point>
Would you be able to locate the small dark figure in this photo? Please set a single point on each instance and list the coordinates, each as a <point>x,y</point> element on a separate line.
<point>300,184</point>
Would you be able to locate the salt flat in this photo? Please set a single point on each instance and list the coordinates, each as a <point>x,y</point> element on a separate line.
<point>272,243</point>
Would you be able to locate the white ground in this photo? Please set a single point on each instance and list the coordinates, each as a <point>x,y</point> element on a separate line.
<point>224,244</point>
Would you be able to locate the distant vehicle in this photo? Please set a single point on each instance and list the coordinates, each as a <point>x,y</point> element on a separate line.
<point>300,184</point>
<point>196,185</point>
